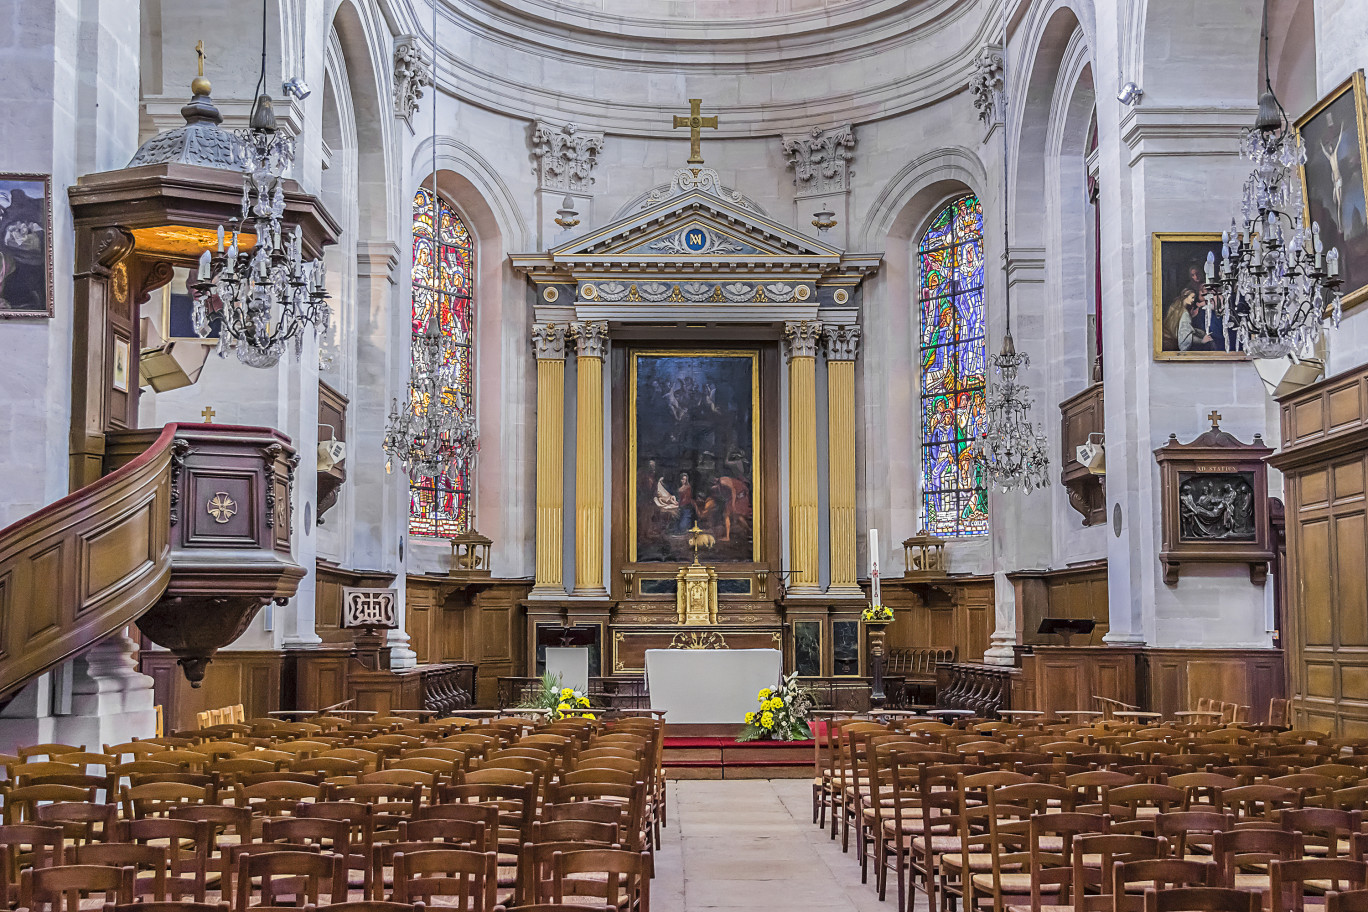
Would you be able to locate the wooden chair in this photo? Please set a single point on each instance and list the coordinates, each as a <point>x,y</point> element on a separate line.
<point>47,751</point>
<point>157,799</point>
<point>189,844</point>
<point>170,906</point>
<point>465,880</point>
<point>613,877</point>
<point>1094,860</point>
<point>1292,881</point>
<point>1200,899</point>
<point>21,802</point>
<point>305,876</point>
<point>1244,855</point>
<point>81,822</point>
<point>1348,901</point>
<point>1131,878</point>
<point>148,863</point>
<point>535,864</point>
<point>64,886</point>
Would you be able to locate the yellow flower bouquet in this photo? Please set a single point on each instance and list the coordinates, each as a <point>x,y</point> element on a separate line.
<point>781,715</point>
<point>562,701</point>
<point>877,613</point>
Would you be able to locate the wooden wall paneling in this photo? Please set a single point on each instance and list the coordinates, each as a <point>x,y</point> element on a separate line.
<point>1070,592</point>
<point>1176,678</point>
<point>249,677</point>
<point>330,580</point>
<point>315,678</point>
<point>1324,460</point>
<point>1069,677</point>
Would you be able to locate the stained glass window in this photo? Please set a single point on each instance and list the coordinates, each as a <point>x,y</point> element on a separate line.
<point>953,366</point>
<point>443,269</point>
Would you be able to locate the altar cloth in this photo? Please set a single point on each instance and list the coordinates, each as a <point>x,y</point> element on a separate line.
<point>710,686</point>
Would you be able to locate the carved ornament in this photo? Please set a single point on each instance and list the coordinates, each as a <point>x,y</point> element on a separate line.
<point>801,338</point>
<point>821,159</point>
<point>566,156</point>
<point>411,75</point>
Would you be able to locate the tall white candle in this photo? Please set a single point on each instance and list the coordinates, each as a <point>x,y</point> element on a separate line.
<point>874,565</point>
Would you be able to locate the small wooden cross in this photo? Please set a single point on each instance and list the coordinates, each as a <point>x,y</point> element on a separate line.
<point>695,122</point>
<point>1215,419</point>
<point>208,414</point>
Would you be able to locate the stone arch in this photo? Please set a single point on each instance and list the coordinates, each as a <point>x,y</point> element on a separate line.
<point>888,372</point>
<point>363,46</point>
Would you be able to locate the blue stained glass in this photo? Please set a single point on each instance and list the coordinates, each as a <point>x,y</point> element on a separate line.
<point>953,370</point>
<point>443,264</point>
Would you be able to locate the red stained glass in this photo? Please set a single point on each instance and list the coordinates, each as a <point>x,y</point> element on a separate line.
<point>443,266</point>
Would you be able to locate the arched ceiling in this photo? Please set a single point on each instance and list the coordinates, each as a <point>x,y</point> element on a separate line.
<point>773,65</point>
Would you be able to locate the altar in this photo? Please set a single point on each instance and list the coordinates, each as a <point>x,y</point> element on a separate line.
<point>709,686</point>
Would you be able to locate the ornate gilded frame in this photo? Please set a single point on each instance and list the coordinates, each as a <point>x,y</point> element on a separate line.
<point>632,484</point>
<point>46,180</point>
<point>1159,239</point>
<point>1355,84</point>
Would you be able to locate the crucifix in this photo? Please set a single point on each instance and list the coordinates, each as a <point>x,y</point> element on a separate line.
<point>1215,419</point>
<point>199,52</point>
<point>208,414</point>
<point>695,122</point>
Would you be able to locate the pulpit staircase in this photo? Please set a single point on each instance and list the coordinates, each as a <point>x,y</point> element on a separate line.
<point>187,535</point>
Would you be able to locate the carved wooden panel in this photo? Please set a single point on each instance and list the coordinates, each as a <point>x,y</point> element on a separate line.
<point>1081,416</point>
<point>249,677</point>
<point>1324,460</point>
<point>1062,677</point>
<point>1177,678</point>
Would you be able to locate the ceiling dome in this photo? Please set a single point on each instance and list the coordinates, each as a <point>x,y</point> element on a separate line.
<point>706,10</point>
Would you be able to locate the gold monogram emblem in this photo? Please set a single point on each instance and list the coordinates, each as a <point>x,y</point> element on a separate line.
<point>221,507</point>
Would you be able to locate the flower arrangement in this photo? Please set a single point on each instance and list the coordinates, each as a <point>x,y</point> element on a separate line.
<point>879,614</point>
<point>563,702</point>
<point>782,714</point>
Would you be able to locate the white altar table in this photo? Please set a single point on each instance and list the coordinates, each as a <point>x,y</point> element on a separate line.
<point>709,686</point>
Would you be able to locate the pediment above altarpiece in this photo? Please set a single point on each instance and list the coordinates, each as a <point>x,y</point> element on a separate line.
<point>701,250</point>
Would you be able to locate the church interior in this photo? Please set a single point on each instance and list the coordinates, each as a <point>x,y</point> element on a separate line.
<point>974,379</point>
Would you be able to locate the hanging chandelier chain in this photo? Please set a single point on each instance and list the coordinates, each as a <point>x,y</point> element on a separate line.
<point>263,296</point>
<point>1277,284</point>
<point>432,431</point>
<point>1011,451</point>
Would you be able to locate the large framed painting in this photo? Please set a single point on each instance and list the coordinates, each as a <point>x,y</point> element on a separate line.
<point>1187,319</point>
<point>1333,180</point>
<point>25,245</point>
<point>694,443</point>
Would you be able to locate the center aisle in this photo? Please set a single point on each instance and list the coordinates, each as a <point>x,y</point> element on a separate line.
<point>750,846</point>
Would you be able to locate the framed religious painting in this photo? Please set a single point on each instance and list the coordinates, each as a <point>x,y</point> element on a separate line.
<point>694,443</point>
<point>25,245</point>
<point>1334,182</point>
<point>1188,325</point>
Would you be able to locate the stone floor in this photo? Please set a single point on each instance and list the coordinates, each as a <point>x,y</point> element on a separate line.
<point>750,846</point>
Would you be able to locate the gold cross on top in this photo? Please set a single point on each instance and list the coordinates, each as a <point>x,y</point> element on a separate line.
<point>695,122</point>
<point>199,52</point>
<point>1215,419</point>
<point>208,414</point>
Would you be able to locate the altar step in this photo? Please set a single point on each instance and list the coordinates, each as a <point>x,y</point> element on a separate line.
<point>721,756</point>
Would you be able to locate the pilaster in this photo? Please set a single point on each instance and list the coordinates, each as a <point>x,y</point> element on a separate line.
<point>548,344</point>
<point>591,343</point>
<point>821,162</point>
<point>800,348</point>
<point>842,347</point>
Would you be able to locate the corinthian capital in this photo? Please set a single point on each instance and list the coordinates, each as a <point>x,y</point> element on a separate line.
<point>801,338</point>
<point>842,342</point>
<point>591,339</point>
<point>820,159</point>
<point>548,341</point>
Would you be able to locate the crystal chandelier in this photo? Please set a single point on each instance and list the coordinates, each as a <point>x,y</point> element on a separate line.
<point>432,431</point>
<point>1277,284</point>
<point>1011,450</point>
<point>263,296</point>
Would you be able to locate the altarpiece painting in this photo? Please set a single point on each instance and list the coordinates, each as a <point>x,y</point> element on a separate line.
<point>694,440</point>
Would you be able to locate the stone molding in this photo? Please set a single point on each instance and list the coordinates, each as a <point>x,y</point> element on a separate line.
<point>548,341</point>
<point>1181,131</point>
<point>378,259</point>
<point>591,339</point>
<point>411,75</point>
<point>801,338</point>
<point>687,180</point>
<point>987,85</point>
<point>842,341</point>
<point>821,159</point>
<point>566,156</point>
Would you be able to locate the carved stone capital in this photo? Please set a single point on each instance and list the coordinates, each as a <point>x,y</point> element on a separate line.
<point>565,155</point>
<point>986,85</point>
<point>842,342</point>
<point>411,75</point>
<point>548,341</point>
<point>591,339</point>
<point>801,338</point>
<point>820,159</point>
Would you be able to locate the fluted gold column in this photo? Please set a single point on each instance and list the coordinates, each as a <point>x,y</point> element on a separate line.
<point>591,341</point>
<point>804,558</point>
<point>842,344</point>
<point>548,344</point>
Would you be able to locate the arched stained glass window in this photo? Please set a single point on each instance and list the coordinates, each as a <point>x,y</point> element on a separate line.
<point>443,276</point>
<point>953,365</point>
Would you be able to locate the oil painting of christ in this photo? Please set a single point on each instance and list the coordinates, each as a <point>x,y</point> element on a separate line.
<point>694,441</point>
